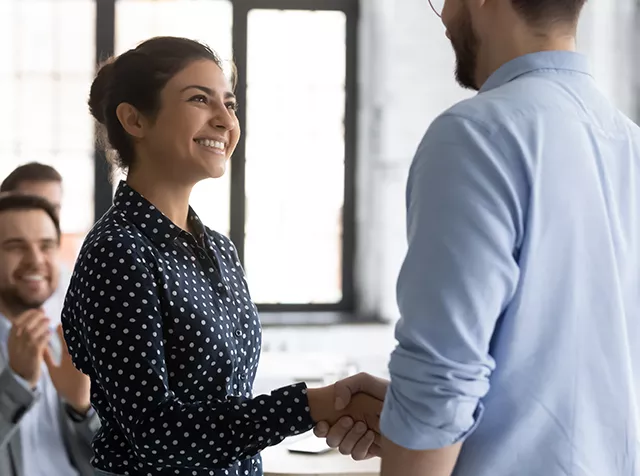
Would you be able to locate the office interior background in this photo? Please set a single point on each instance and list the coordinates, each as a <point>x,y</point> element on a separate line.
<point>334,97</point>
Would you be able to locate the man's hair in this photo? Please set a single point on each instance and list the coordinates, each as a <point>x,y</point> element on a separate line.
<point>14,201</point>
<point>31,172</point>
<point>547,12</point>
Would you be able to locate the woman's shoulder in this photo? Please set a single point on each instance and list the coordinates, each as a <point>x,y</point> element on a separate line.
<point>114,239</point>
<point>221,241</point>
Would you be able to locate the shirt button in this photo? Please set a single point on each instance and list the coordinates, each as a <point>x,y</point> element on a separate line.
<point>239,333</point>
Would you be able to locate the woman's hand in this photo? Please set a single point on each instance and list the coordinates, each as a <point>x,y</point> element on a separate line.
<point>353,436</point>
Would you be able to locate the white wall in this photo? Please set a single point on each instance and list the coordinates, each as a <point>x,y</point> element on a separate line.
<point>406,80</point>
<point>606,34</point>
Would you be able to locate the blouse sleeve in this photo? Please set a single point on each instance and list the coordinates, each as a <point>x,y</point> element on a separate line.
<point>116,330</point>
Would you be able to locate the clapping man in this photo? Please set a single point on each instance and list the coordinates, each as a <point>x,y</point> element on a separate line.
<point>46,421</point>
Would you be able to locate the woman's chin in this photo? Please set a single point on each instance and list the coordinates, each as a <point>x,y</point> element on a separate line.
<point>216,170</point>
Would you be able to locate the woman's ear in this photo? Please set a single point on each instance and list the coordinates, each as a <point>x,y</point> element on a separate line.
<point>133,122</point>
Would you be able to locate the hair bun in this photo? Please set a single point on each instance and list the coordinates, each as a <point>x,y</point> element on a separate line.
<point>100,90</point>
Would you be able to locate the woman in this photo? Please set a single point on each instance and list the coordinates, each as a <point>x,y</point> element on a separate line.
<point>158,313</point>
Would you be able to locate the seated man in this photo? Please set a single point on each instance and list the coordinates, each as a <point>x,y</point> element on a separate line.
<point>46,420</point>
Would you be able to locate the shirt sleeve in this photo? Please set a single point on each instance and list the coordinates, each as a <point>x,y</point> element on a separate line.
<point>117,336</point>
<point>464,222</point>
<point>16,400</point>
<point>22,382</point>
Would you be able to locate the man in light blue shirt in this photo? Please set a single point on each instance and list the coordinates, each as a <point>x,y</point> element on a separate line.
<point>519,339</point>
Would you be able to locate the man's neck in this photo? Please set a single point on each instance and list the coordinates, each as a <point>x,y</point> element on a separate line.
<point>6,311</point>
<point>12,312</point>
<point>508,49</point>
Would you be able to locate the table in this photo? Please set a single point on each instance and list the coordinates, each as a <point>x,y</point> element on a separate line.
<point>316,369</point>
<point>278,461</point>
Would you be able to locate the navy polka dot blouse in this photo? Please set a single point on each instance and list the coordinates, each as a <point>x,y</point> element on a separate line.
<point>162,322</point>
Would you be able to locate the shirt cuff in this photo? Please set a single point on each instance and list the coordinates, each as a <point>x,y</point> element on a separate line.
<point>23,383</point>
<point>294,415</point>
<point>76,416</point>
<point>401,426</point>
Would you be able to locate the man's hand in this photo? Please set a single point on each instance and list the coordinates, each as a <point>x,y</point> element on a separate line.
<point>72,385</point>
<point>362,407</point>
<point>349,436</point>
<point>27,343</point>
<point>362,382</point>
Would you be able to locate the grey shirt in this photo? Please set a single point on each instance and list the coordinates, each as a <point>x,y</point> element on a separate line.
<point>37,438</point>
<point>43,449</point>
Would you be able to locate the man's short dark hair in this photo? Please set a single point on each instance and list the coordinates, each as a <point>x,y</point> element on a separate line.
<point>31,172</point>
<point>547,12</point>
<point>21,201</point>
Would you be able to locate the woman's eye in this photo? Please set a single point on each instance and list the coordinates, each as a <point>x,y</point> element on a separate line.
<point>199,98</point>
<point>233,106</point>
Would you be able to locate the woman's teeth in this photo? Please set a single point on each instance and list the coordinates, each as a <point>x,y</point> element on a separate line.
<point>213,144</point>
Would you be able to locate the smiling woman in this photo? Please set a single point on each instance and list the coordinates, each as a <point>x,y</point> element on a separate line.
<point>158,311</point>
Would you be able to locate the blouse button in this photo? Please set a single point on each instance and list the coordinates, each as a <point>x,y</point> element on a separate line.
<point>239,333</point>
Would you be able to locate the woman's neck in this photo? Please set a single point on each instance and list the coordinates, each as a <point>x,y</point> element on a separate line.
<point>171,198</point>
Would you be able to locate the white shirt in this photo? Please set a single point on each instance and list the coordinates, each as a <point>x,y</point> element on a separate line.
<point>53,306</point>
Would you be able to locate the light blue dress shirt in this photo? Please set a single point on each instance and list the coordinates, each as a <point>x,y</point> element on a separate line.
<point>520,292</point>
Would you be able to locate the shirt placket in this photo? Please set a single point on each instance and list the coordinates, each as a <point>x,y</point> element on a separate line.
<point>210,263</point>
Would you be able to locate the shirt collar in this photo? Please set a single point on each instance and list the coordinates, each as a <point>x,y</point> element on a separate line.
<point>5,323</point>
<point>541,60</point>
<point>151,221</point>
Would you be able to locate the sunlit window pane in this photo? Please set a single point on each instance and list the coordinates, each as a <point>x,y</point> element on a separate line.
<point>35,40</point>
<point>74,127</point>
<point>78,173</point>
<point>295,155</point>
<point>8,129</point>
<point>209,21</point>
<point>47,66</point>
<point>36,94</point>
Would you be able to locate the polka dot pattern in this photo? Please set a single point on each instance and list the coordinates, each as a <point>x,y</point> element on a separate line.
<point>163,323</point>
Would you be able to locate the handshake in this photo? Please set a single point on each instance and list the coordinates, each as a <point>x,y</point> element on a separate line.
<point>347,414</point>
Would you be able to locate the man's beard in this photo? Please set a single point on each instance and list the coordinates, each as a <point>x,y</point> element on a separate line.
<point>465,45</point>
<point>16,304</point>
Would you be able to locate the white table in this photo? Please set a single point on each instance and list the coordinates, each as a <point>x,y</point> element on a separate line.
<point>282,368</point>
<point>278,461</point>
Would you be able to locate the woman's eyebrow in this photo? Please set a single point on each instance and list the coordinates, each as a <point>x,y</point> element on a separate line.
<point>209,91</point>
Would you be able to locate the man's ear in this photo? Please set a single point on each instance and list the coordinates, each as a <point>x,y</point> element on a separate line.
<point>133,122</point>
<point>476,5</point>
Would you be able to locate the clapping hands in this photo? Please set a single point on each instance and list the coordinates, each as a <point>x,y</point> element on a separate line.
<point>353,428</point>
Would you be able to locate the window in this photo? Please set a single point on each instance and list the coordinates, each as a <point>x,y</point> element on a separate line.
<point>47,68</point>
<point>295,149</point>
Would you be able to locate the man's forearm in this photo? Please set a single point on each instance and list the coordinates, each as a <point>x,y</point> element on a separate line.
<point>15,401</point>
<point>399,461</point>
